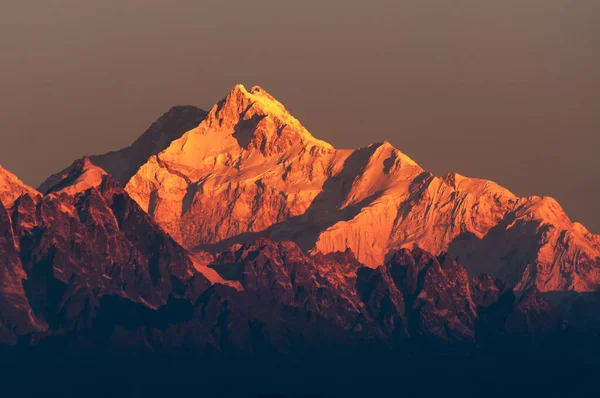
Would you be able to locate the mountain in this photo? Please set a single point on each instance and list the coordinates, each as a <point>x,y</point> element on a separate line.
<point>251,170</point>
<point>77,178</point>
<point>86,269</point>
<point>93,291</point>
<point>16,315</point>
<point>245,255</point>
<point>11,187</point>
<point>86,261</point>
<point>123,164</point>
<point>70,255</point>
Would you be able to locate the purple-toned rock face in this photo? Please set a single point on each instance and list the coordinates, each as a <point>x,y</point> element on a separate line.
<point>86,259</point>
<point>86,266</point>
<point>66,253</point>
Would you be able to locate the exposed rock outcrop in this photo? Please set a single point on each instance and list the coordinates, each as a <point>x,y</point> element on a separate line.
<point>65,253</point>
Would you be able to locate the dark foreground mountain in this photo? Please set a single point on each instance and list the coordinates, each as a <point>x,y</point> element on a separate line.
<point>93,288</point>
<point>77,259</point>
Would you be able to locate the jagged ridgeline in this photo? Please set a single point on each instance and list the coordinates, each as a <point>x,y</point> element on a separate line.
<point>249,169</point>
<point>86,262</point>
<point>235,233</point>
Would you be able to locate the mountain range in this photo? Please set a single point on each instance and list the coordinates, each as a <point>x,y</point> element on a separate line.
<point>235,233</point>
<point>249,169</point>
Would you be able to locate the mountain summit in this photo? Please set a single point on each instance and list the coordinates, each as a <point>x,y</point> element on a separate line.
<point>243,123</point>
<point>250,166</point>
<point>250,169</point>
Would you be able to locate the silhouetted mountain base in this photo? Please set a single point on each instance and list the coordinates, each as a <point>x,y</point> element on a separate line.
<point>514,373</point>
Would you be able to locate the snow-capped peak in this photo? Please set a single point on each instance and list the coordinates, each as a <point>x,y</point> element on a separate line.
<point>11,188</point>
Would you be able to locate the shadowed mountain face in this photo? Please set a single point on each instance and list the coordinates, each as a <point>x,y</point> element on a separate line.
<point>87,243</point>
<point>123,164</point>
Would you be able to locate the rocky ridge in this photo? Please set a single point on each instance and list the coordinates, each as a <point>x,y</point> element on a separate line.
<point>85,266</point>
<point>81,244</point>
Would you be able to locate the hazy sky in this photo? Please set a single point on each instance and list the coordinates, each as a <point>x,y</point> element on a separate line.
<point>502,89</point>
